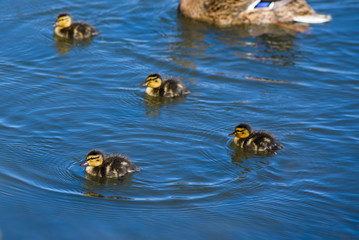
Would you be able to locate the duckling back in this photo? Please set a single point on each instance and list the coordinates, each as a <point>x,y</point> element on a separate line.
<point>78,31</point>
<point>173,88</point>
<point>114,166</point>
<point>260,141</point>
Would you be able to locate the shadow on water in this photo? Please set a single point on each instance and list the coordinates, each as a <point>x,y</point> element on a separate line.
<point>274,42</point>
<point>95,184</point>
<point>97,195</point>
<point>249,160</point>
<point>153,104</point>
<point>111,181</point>
<point>64,46</point>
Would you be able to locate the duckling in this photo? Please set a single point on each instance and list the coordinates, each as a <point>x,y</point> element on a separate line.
<point>235,12</point>
<point>157,87</point>
<point>112,166</point>
<point>254,140</point>
<point>65,28</point>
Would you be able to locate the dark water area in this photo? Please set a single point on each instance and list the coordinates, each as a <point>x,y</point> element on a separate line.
<point>61,99</point>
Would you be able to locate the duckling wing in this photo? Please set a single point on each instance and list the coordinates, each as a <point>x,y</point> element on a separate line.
<point>174,88</point>
<point>119,165</point>
<point>262,141</point>
<point>83,30</point>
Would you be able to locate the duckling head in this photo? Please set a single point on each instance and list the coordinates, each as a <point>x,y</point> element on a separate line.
<point>94,158</point>
<point>63,21</point>
<point>241,131</point>
<point>153,81</point>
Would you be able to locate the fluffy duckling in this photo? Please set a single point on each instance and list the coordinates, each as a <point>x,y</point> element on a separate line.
<point>112,166</point>
<point>235,12</point>
<point>157,87</point>
<point>259,141</point>
<point>65,28</point>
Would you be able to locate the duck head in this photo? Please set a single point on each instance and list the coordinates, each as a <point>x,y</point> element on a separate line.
<point>153,81</point>
<point>241,131</point>
<point>94,158</point>
<point>63,20</point>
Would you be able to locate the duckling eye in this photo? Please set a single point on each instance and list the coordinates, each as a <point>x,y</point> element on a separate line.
<point>63,19</point>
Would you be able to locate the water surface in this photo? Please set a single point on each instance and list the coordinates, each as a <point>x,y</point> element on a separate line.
<point>59,100</point>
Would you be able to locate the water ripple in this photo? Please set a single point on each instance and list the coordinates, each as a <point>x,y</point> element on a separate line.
<point>61,99</point>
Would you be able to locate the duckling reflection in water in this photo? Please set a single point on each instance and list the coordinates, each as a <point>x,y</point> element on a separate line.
<point>157,87</point>
<point>97,195</point>
<point>111,166</point>
<point>64,46</point>
<point>65,28</point>
<point>258,141</point>
<point>153,105</point>
<point>248,161</point>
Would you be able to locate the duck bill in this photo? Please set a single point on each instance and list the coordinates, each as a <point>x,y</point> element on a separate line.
<point>143,85</point>
<point>231,135</point>
<point>55,24</point>
<point>84,163</point>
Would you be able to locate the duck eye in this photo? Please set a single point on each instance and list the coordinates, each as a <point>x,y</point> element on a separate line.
<point>63,19</point>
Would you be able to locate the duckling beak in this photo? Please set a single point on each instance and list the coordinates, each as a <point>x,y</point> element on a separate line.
<point>84,163</point>
<point>143,84</point>
<point>55,24</point>
<point>231,135</point>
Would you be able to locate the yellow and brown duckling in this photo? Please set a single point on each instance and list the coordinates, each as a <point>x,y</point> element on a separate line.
<point>157,87</point>
<point>259,141</point>
<point>111,166</point>
<point>65,28</point>
<point>236,12</point>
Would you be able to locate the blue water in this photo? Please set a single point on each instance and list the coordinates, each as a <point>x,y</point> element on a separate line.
<point>60,100</point>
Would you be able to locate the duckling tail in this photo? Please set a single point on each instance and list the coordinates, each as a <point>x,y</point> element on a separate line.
<point>95,32</point>
<point>136,169</point>
<point>276,147</point>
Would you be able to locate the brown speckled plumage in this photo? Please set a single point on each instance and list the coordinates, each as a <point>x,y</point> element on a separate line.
<point>235,12</point>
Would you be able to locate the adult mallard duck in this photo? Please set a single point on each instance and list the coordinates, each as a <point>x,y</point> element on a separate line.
<point>65,28</point>
<point>260,141</point>
<point>111,166</point>
<point>235,12</point>
<point>157,87</point>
